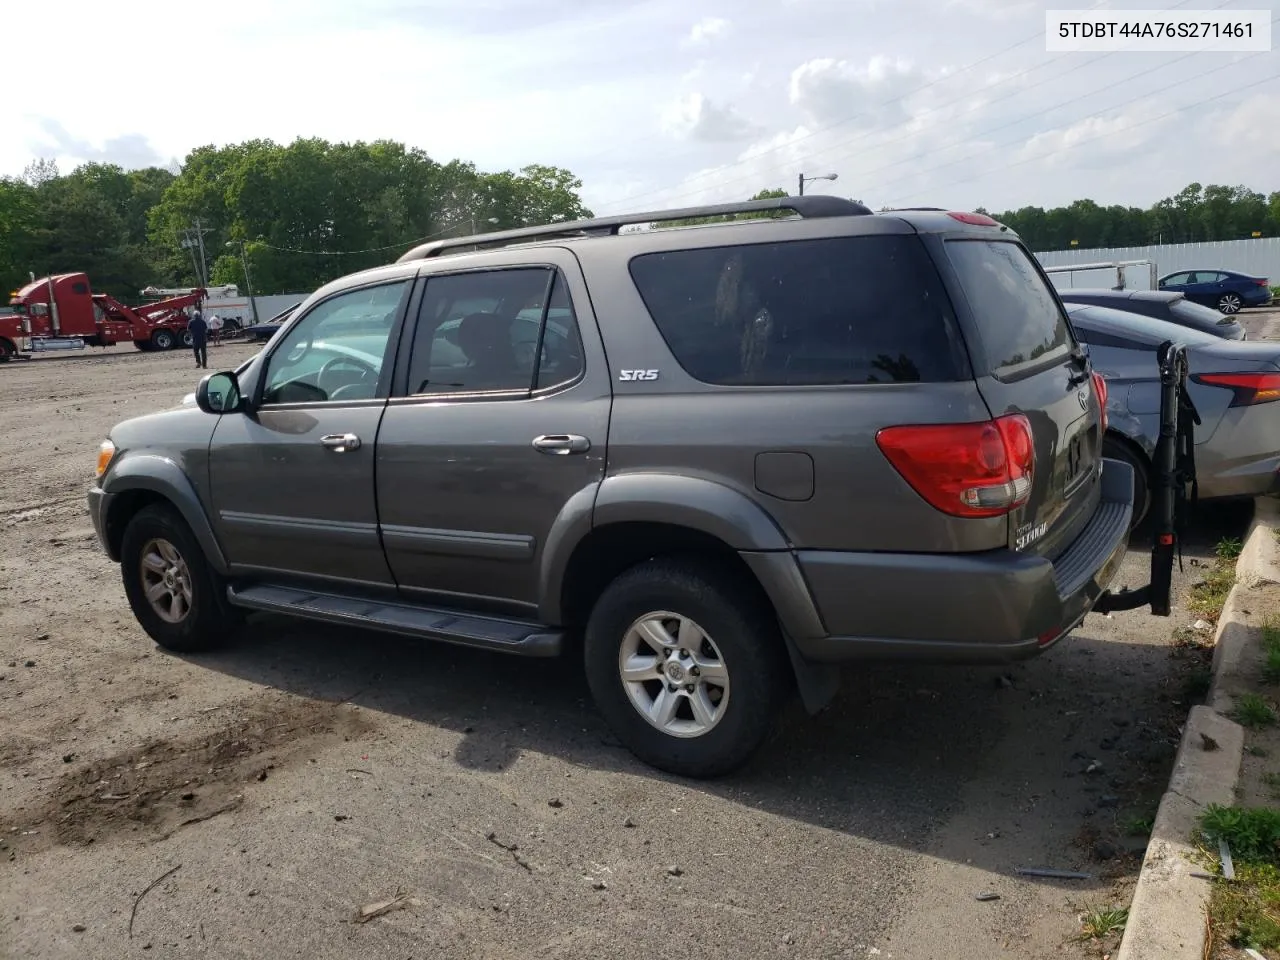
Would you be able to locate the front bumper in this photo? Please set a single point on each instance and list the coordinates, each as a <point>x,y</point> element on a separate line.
<point>98,500</point>
<point>974,608</point>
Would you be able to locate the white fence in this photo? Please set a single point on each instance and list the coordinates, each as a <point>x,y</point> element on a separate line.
<point>1257,258</point>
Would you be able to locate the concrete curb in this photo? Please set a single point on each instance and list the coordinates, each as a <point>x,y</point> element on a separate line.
<point>1167,918</point>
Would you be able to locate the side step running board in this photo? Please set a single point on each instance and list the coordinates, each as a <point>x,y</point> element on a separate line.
<point>429,623</point>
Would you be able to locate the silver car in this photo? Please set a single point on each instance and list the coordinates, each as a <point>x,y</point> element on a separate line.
<point>1234,384</point>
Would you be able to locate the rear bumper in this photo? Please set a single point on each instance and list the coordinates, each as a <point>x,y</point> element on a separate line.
<point>975,608</point>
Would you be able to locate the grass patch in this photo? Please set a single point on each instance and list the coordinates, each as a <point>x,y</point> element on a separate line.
<point>1271,649</point>
<point>1245,912</point>
<point>1228,549</point>
<point>1257,751</point>
<point>1210,594</point>
<point>1100,923</point>
<point>1252,711</point>
<point>1138,826</point>
<point>1195,687</point>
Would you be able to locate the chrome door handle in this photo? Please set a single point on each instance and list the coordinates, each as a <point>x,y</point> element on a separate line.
<point>341,442</point>
<point>561,444</point>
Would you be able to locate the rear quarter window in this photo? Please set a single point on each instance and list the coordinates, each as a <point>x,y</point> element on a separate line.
<point>1018,320</point>
<point>846,310</point>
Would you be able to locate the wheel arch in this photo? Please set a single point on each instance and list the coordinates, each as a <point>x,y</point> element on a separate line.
<point>142,480</point>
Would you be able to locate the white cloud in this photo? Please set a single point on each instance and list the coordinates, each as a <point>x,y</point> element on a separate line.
<point>706,30</point>
<point>828,90</point>
<point>696,117</point>
<point>785,88</point>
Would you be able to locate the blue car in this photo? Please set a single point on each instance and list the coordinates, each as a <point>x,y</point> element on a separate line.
<point>1227,291</point>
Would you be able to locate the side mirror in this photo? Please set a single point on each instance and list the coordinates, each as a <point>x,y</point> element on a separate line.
<point>220,393</point>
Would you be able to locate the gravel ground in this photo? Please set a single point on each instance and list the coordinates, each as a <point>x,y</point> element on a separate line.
<point>280,785</point>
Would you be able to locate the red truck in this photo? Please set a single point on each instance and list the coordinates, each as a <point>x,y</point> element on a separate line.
<point>62,313</point>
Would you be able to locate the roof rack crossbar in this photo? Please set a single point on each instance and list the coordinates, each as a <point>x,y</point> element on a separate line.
<point>816,206</point>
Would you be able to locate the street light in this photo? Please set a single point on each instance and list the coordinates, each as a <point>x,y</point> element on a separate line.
<point>248,281</point>
<point>804,180</point>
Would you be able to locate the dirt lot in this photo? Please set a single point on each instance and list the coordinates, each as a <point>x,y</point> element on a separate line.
<point>276,787</point>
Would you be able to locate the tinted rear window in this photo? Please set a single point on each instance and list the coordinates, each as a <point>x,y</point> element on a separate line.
<point>1018,319</point>
<point>833,311</point>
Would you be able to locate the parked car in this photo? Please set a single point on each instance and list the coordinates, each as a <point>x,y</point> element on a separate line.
<point>1234,384</point>
<point>1167,305</point>
<point>267,328</point>
<point>727,458</point>
<point>1222,289</point>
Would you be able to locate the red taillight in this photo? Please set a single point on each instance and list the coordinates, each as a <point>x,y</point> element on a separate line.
<point>975,219</point>
<point>1261,283</point>
<point>1249,388</point>
<point>965,469</point>
<point>1100,389</point>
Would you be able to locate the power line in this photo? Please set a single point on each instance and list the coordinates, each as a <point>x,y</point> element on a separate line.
<point>1021,120</point>
<point>628,200</point>
<point>1077,143</point>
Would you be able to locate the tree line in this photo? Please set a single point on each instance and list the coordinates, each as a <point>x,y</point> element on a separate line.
<point>1195,214</point>
<point>306,212</point>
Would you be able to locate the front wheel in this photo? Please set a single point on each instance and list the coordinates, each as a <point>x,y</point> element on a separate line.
<point>1230,303</point>
<point>187,339</point>
<point>686,665</point>
<point>175,595</point>
<point>7,350</point>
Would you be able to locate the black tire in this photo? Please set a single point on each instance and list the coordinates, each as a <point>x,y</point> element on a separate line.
<point>7,350</point>
<point>143,345</point>
<point>209,620</point>
<point>163,340</point>
<point>746,635</point>
<point>1114,449</point>
<point>187,341</point>
<point>1230,303</point>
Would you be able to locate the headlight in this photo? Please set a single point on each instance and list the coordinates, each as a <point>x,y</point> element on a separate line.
<point>105,453</point>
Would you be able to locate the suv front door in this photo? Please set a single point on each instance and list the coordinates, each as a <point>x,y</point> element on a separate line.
<point>292,482</point>
<point>481,447</point>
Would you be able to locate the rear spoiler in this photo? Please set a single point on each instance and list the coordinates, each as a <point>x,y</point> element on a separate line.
<point>1174,471</point>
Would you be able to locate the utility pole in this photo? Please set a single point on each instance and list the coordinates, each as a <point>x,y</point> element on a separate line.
<point>248,281</point>
<point>204,269</point>
<point>190,246</point>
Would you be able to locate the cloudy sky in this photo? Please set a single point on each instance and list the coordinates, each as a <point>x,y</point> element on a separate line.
<point>659,103</point>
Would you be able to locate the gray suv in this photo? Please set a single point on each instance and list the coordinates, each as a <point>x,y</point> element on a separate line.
<point>716,461</point>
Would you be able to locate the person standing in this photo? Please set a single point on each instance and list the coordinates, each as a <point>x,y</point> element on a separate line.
<point>215,329</point>
<point>199,330</point>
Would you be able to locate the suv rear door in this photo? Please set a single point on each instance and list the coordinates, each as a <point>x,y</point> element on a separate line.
<point>1027,361</point>
<point>481,449</point>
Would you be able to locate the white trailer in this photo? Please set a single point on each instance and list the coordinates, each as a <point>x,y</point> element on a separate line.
<point>224,300</point>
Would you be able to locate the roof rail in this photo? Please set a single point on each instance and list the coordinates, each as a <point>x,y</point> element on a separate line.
<point>816,206</point>
<point>915,209</point>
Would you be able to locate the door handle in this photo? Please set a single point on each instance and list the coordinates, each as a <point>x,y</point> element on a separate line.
<point>561,444</point>
<point>341,442</point>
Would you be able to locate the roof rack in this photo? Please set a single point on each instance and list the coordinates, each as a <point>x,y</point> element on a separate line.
<point>915,209</point>
<point>816,206</point>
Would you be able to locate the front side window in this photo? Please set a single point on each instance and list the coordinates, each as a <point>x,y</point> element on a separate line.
<point>336,352</point>
<point>484,332</point>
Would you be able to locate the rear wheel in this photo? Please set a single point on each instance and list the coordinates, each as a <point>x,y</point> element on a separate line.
<point>144,345</point>
<point>187,340</point>
<point>1230,303</point>
<point>686,665</point>
<point>1114,449</point>
<point>7,350</point>
<point>176,596</point>
<point>163,340</point>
